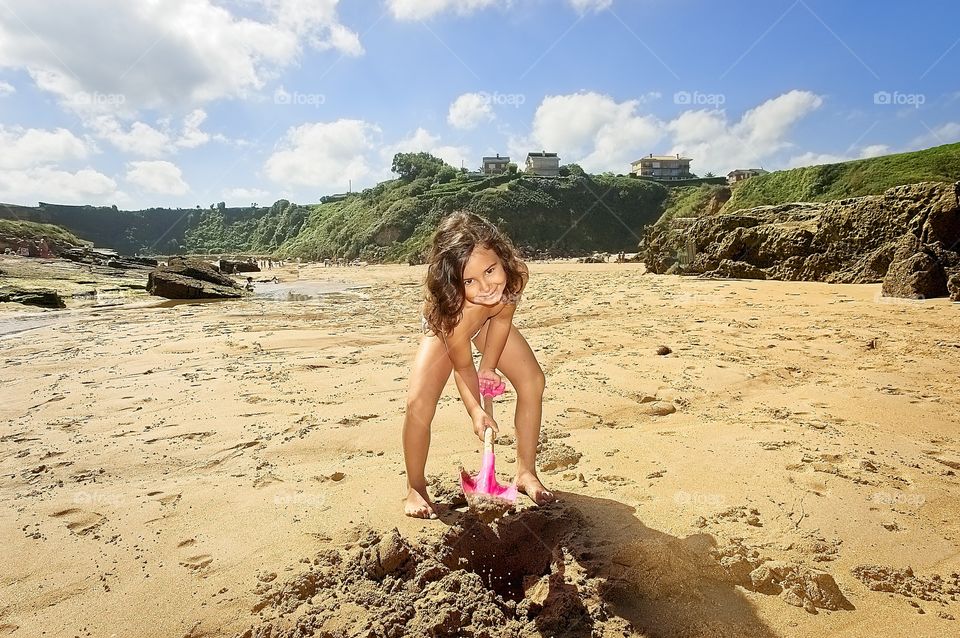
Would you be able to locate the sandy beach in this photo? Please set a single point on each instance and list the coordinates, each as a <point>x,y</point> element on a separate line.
<point>182,470</point>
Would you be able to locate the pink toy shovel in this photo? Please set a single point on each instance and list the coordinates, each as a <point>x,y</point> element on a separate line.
<point>484,485</point>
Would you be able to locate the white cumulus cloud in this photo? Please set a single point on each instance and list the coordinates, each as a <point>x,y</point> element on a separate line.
<point>943,134</point>
<point>324,155</point>
<point>718,145</point>
<point>49,184</point>
<point>423,9</point>
<point>602,134</point>
<point>469,111</point>
<point>6,89</point>
<point>157,176</point>
<point>32,147</point>
<point>176,53</point>
<point>591,129</point>
<point>145,140</point>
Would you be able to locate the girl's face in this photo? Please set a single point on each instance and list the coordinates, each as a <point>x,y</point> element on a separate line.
<point>483,277</point>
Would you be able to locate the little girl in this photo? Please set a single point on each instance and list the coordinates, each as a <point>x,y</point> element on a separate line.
<point>473,283</point>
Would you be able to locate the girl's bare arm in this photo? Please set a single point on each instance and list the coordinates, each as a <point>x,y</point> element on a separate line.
<point>497,333</point>
<point>458,348</point>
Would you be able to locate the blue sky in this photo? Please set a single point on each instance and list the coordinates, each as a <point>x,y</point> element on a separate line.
<point>187,102</point>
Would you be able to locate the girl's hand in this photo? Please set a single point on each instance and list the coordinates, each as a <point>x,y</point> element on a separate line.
<point>490,382</point>
<point>482,421</point>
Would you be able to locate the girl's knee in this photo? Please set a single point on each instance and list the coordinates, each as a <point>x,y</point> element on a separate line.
<point>534,385</point>
<point>420,409</point>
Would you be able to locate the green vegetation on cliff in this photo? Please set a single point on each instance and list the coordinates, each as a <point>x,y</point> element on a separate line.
<point>828,182</point>
<point>394,220</point>
<point>243,230</point>
<point>694,201</point>
<point>34,231</point>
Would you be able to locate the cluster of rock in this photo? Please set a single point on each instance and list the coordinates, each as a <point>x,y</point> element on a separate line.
<point>107,257</point>
<point>908,238</point>
<point>184,278</point>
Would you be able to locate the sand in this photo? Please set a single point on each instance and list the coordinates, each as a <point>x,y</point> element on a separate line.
<point>788,468</point>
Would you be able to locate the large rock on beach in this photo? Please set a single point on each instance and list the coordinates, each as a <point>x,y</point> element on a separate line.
<point>953,286</point>
<point>914,273</point>
<point>850,240</point>
<point>191,279</point>
<point>42,297</point>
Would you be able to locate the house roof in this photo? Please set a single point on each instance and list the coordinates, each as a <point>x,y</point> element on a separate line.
<point>663,158</point>
<point>543,154</point>
<point>746,170</point>
<point>497,159</point>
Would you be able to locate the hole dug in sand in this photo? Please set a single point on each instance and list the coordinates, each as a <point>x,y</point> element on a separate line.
<point>584,566</point>
<point>515,578</point>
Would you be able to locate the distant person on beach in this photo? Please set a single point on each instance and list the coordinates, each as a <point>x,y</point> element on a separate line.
<point>473,284</point>
<point>249,285</point>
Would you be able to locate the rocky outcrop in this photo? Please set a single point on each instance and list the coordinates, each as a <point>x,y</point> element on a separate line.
<point>107,257</point>
<point>953,286</point>
<point>908,237</point>
<point>229,267</point>
<point>43,298</point>
<point>191,279</point>
<point>914,272</point>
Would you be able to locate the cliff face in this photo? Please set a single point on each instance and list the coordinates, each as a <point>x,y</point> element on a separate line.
<point>904,231</point>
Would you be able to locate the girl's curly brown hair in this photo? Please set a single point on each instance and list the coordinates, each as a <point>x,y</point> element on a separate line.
<point>453,243</point>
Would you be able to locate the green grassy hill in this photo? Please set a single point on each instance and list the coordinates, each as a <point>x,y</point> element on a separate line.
<point>32,231</point>
<point>394,220</point>
<point>847,179</point>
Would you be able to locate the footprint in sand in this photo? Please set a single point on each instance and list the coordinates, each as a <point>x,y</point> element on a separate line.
<point>198,562</point>
<point>80,522</point>
<point>233,451</point>
<point>167,499</point>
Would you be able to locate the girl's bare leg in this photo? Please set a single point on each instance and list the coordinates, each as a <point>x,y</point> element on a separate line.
<point>519,365</point>
<point>431,369</point>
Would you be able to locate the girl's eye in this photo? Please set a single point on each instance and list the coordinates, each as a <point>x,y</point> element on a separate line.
<point>467,282</point>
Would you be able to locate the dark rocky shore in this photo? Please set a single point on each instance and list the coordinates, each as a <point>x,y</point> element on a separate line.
<point>908,238</point>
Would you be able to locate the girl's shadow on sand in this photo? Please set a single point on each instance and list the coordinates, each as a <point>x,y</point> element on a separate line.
<point>584,553</point>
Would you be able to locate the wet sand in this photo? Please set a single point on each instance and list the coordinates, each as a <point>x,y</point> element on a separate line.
<point>167,470</point>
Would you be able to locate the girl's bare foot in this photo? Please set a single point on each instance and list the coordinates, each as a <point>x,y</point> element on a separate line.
<point>529,484</point>
<point>418,505</point>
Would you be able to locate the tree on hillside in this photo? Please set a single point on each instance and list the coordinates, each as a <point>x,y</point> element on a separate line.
<point>571,170</point>
<point>410,166</point>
